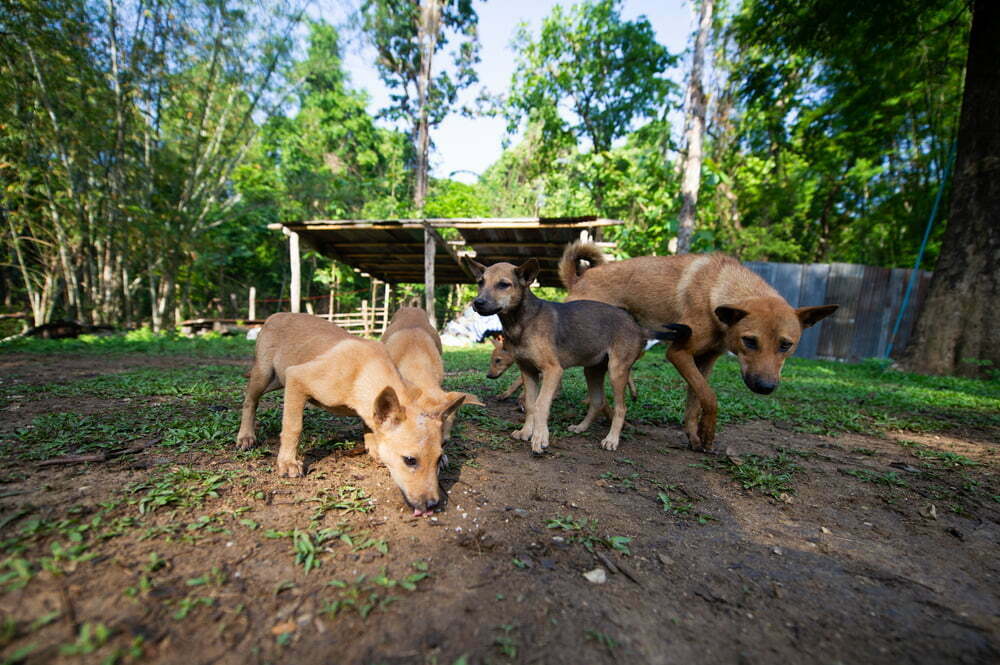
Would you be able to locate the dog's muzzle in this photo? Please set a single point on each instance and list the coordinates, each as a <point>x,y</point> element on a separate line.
<point>760,385</point>
<point>484,308</point>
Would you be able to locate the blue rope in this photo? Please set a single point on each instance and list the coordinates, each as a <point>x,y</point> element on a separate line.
<point>915,274</point>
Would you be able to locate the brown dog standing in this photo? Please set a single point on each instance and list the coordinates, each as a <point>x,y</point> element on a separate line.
<point>317,362</point>
<point>415,348</point>
<point>547,337</point>
<point>726,305</point>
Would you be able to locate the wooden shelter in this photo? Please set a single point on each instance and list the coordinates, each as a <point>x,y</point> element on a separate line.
<point>405,251</point>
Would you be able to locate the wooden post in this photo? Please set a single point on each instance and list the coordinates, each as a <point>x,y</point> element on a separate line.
<point>429,248</point>
<point>385,312</point>
<point>252,309</point>
<point>295,264</point>
<point>364,316</point>
<point>329,311</point>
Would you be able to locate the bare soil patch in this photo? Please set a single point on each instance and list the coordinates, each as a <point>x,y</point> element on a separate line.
<point>879,552</point>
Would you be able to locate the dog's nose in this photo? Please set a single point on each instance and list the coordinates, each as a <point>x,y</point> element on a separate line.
<point>761,385</point>
<point>478,304</point>
<point>431,504</point>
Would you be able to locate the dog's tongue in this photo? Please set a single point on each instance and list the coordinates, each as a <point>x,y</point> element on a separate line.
<point>419,513</point>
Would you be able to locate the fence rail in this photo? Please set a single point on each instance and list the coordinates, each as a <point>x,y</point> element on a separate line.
<point>869,300</point>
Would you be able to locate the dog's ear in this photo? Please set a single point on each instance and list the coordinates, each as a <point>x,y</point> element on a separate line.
<point>497,341</point>
<point>388,412</point>
<point>810,316</point>
<point>528,271</point>
<point>452,402</point>
<point>729,315</point>
<point>477,268</point>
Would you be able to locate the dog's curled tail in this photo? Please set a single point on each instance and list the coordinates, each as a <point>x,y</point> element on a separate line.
<point>575,252</point>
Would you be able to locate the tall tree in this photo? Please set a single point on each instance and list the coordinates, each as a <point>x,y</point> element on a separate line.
<point>694,124</point>
<point>958,330</point>
<point>589,74</point>
<point>407,35</point>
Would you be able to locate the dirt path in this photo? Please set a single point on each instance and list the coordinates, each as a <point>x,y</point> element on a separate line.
<point>866,553</point>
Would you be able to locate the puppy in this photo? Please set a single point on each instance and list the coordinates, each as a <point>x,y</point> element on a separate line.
<point>415,348</point>
<point>317,362</point>
<point>547,337</point>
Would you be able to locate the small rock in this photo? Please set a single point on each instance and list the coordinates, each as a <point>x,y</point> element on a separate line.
<point>823,529</point>
<point>664,559</point>
<point>778,551</point>
<point>929,511</point>
<point>596,576</point>
<point>520,512</point>
<point>548,564</point>
<point>785,497</point>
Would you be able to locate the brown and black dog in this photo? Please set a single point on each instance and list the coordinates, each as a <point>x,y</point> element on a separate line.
<point>726,305</point>
<point>547,337</point>
<point>319,363</point>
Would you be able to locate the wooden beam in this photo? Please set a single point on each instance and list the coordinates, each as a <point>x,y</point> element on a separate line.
<point>448,248</point>
<point>430,247</point>
<point>295,264</point>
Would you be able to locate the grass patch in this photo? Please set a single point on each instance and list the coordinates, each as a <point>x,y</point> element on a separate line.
<point>365,594</point>
<point>143,341</point>
<point>770,475</point>
<point>182,489</point>
<point>888,479</point>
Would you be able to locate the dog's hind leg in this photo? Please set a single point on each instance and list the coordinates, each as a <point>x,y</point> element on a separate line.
<point>262,380</point>
<point>619,369</point>
<point>531,377</point>
<point>595,393</point>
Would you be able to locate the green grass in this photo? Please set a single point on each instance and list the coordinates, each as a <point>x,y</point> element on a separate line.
<point>815,396</point>
<point>138,341</point>
<point>771,475</point>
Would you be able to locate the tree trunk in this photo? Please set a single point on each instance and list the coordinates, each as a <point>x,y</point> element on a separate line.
<point>695,124</point>
<point>958,330</point>
<point>427,36</point>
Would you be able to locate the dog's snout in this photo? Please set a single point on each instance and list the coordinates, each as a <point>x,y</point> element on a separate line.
<point>431,504</point>
<point>761,385</point>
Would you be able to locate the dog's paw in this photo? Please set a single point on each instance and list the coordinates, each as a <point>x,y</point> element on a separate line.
<point>576,429</point>
<point>246,442</point>
<point>523,434</point>
<point>609,443</point>
<point>291,468</point>
<point>539,441</point>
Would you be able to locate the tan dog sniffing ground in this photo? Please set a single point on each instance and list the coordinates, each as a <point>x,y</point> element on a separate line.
<point>547,337</point>
<point>415,348</point>
<point>727,306</point>
<point>317,362</point>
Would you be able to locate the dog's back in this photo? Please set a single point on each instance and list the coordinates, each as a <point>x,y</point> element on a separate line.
<point>685,288</point>
<point>415,348</point>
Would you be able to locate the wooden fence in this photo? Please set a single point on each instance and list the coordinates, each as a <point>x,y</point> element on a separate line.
<point>869,300</point>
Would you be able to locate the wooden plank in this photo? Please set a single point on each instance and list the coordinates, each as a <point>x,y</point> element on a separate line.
<point>893,299</point>
<point>843,287</point>
<point>786,278</point>
<point>812,292</point>
<point>430,248</point>
<point>868,319</point>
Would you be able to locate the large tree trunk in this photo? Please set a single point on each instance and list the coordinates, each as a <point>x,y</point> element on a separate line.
<point>427,36</point>
<point>695,130</point>
<point>958,330</point>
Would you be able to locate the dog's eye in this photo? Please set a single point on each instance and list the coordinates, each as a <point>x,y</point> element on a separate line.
<point>750,343</point>
<point>480,282</point>
<point>784,346</point>
<point>503,285</point>
<point>409,461</point>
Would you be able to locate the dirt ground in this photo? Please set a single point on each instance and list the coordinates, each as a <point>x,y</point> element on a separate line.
<point>698,569</point>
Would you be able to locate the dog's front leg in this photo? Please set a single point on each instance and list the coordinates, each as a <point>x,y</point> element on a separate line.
<point>551,378</point>
<point>702,406</point>
<point>289,462</point>
<point>514,387</point>
<point>530,376</point>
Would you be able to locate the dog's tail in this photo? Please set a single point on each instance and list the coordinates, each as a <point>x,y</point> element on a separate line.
<point>575,252</point>
<point>672,332</point>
